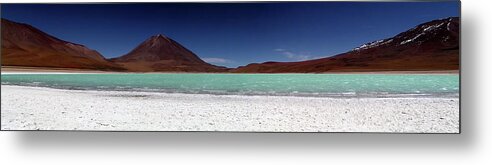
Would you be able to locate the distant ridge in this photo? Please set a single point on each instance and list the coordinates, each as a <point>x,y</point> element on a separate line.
<point>25,45</point>
<point>429,46</point>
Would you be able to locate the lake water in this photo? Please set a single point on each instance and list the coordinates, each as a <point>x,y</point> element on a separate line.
<point>322,85</point>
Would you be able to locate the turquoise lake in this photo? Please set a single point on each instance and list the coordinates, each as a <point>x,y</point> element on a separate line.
<point>323,85</point>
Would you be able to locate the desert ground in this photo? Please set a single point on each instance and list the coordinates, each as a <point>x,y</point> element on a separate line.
<point>35,108</point>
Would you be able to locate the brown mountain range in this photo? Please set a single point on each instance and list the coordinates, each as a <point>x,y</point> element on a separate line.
<point>429,46</point>
<point>160,53</point>
<point>24,45</point>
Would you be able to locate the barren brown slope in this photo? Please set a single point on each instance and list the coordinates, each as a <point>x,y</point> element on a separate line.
<point>25,45</point>
<point>160,53</point>
<point>430,46</point>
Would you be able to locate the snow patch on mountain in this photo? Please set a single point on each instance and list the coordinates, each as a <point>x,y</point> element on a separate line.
<point>432,27</point>
<point>373,44</point>
<point>412,39</point>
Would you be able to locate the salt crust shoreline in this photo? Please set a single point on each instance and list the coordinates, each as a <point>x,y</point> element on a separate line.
<point>35,108</point>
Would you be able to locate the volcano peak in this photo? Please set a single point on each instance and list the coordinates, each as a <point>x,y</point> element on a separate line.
<point>160,53</point>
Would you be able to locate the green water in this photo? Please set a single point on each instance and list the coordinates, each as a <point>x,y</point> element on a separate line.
<point>251,84</point>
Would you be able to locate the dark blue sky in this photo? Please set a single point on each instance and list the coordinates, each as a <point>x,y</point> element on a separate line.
<point>231,34</point>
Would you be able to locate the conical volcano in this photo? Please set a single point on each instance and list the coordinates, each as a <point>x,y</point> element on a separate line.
<point>161,53</point>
